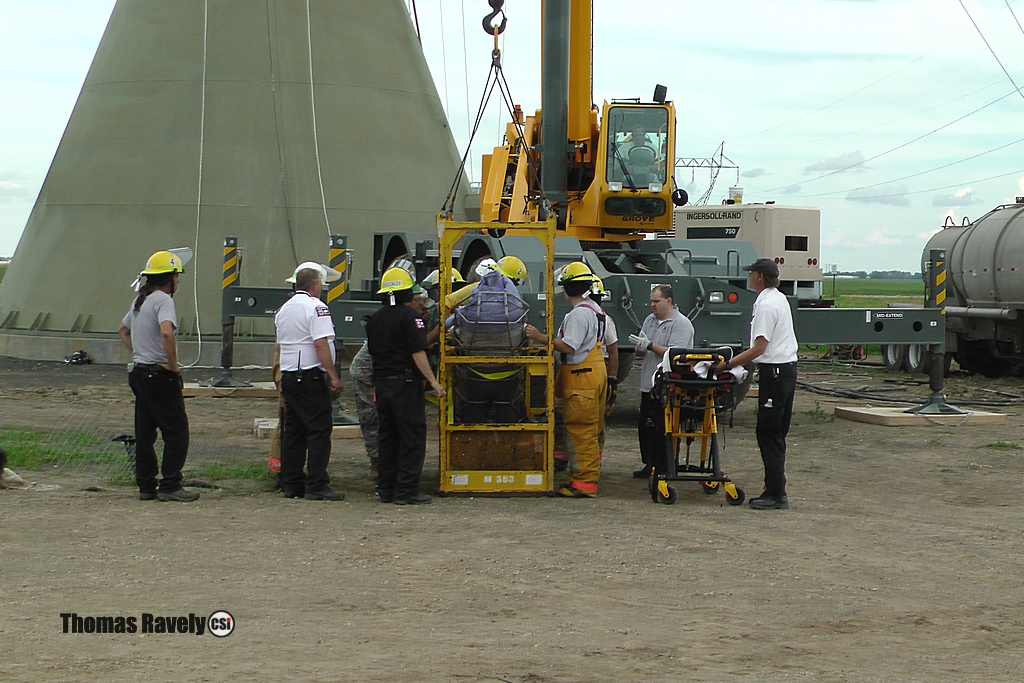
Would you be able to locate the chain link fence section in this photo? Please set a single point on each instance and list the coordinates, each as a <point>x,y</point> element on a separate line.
<point>102,451</point>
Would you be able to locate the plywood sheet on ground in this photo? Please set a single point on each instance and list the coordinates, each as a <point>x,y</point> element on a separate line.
<point>896,417</point>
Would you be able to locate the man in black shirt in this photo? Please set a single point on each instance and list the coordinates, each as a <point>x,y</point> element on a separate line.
<point>396,337</point>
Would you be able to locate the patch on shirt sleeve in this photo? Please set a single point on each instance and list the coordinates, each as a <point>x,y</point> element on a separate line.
<point>420,324</point>
<point>323,311</point>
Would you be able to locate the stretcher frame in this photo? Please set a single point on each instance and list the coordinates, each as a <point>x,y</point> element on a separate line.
<point>691,406</point>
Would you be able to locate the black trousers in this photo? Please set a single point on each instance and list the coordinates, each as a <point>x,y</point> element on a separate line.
<point>306,441</point>
<point>504,395</point>
<point>776,389</point>
<point>651,431</point>
<point>402,435</point>
<point>158,405</point>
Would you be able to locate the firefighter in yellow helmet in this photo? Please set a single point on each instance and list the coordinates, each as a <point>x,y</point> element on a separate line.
<point>582,378</point>
<point>511,267</point>
<point>396,338</point>
<point>149,333</point>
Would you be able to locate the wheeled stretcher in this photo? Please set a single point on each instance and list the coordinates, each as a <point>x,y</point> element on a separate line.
<point>693,396</point>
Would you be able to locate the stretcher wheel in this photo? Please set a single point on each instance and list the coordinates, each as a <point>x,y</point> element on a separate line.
<point>738,500</point>
<point>710,487</point>
<point>672,496</point>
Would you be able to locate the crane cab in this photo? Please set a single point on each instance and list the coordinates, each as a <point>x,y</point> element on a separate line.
<point>619,180</point>
<point>631,191</point>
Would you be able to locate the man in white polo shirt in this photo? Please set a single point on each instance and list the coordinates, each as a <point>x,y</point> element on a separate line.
<point>773,347</point>
<point>305,340</point>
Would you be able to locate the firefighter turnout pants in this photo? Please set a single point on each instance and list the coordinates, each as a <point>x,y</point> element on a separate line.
<point>583,388</point>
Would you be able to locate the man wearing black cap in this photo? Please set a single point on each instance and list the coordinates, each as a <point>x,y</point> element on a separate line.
<point>773,347</point>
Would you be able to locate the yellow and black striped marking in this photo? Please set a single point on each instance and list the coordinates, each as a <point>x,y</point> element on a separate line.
<point>938,272</point>
<point>339,262</point>
<point>230,273</point>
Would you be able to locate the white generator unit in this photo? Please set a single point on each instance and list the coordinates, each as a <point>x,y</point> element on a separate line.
<point>789,235</point>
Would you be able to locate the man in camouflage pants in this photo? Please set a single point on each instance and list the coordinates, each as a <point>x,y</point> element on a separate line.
<point>362,380</point>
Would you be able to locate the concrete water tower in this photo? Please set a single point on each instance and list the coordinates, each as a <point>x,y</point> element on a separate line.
<point>277,122</point>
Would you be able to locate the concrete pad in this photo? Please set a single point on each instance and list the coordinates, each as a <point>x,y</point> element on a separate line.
<point>257,390</point>
<point>895,417</point>
<point>266,426</point>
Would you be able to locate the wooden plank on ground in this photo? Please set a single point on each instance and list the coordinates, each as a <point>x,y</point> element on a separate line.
<point>266,426</point>
<point>257,390</point>
<point>895,417</point>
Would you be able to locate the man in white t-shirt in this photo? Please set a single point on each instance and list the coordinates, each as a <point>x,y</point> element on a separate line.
<point>148,332</point>
<point>773,347</point>
<point>305,339</point>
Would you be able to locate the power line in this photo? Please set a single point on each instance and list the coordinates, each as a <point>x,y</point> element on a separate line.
<point>904,194</point>
<point>1014,14</point>
<point>897,147</point>
<point>857,91</point>
<point>882,125</point>
<point>921,173</point>
<point>998,61</point>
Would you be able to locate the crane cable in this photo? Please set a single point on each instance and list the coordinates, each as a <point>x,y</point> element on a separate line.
<point>495,79</point>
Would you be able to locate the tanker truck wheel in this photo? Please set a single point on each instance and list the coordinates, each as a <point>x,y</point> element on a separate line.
<point>977,358</point>
<point>892,356</point>
<point>915,359</point>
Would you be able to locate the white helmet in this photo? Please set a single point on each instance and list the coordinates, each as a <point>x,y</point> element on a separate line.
<point>486,266</point>
<point>326,274</point>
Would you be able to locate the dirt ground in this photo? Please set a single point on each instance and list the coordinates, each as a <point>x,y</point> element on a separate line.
<point>900,560</point>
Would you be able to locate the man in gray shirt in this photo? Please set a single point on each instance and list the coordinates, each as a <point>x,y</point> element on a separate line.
<point>664,328</point>
<point>155,379</point>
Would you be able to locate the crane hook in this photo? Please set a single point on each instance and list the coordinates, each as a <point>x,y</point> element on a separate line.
<point>496,9</point>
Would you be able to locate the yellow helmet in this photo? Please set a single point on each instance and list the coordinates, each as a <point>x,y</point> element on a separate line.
<point>457,276</point>
<point>513,268</point>
<point>395,280</point>
<point>597,287</point>
<point>163,262</point>
<point>577,271</point>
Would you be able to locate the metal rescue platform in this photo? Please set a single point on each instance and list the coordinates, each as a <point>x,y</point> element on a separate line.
<point>692,403</point>
<point>488,457</point>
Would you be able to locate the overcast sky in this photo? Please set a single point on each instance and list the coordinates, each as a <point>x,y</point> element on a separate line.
<point>848,105</point>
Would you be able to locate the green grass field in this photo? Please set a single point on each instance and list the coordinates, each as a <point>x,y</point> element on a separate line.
<point>872,293</point>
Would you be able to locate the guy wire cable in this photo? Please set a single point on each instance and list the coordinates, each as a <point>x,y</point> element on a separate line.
<point>444,62</point>
<point>271,36</point>
<point>316,139</point>
<point>465,73</point>
<point>199,199</point>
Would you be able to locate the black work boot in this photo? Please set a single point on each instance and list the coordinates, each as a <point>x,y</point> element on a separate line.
<point>769,502</point>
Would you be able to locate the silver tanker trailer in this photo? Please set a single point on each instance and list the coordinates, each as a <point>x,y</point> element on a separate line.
<point>984,295</point>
